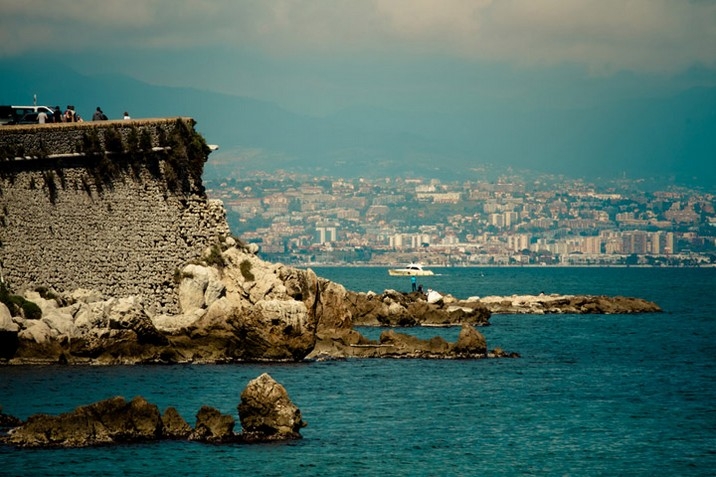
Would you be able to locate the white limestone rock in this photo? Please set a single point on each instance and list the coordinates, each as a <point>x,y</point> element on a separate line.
<point>6,323</point>
<point>37,331</point>
<point>89,317</point>
<point>288,312</point>
<point>434,297</point>
<point>200,287</point>
<point>86,296</point>
<point>61,322</point>
<point>175,323</point>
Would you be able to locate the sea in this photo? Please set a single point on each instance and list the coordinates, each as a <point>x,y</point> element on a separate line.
<point>590,395</point>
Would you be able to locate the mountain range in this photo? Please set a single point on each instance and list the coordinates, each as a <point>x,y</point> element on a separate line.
<point>671,137</point>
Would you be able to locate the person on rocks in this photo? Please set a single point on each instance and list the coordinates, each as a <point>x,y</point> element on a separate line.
<point>57,115</point>
<point>126,115</point>
<point>413,283</point>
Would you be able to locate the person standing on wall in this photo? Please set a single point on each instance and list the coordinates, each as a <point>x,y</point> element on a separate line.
<point>70,114</point>
<point>99,115</point>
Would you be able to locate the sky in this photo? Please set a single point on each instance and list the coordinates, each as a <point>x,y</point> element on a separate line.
<point>319,57</point>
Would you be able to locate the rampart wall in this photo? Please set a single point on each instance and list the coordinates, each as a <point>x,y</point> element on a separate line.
<point>116,206</point>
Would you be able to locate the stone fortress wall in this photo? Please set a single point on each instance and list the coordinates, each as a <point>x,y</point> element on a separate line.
<point>114,206</point>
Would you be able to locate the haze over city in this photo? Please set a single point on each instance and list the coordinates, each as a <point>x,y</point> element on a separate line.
<point>583,88</point>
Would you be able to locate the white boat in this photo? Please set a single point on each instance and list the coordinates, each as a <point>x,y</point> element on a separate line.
<point>410,270</point>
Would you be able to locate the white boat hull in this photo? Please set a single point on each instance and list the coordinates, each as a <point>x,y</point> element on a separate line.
<point>409,273</point>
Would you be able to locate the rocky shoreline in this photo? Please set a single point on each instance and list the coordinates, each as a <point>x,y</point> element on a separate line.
<point>236,307</point>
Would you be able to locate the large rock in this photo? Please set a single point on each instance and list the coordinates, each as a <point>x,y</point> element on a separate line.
<point>331,309</point>
<point>6,323</point>
<point>9,340</point>
<point>267,413</point>
<point>275,330</point>
<point>106,422</point>
<point>199,288</point>
<point>470,342</point>
<point>128,314</point>
<point>37,331</point>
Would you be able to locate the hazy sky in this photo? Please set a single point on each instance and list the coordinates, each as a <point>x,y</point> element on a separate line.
<point>318,56</point>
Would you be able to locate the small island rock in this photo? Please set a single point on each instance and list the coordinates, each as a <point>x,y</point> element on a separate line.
<point>110,421</point>
<point>267,413</point>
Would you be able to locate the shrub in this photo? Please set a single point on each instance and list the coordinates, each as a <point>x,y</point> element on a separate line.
<point>49,294</point>
<point>49,178</point>
<point>113,140</point>
<point>4,294</point>
<point>215,258</point>
<point>31,311</point>
<point>17,304</point>
<point>176,278</point>
<point>245,268</point>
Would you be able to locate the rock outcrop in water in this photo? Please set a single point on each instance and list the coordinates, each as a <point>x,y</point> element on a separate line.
<point>237,308</point>
<point>111,421</point>
<point>567,304</point>
<point>234,308</point>
<point>266,413</point>
<point>396,309</point>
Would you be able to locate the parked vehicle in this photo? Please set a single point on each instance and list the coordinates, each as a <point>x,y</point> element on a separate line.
<point>23,114</point>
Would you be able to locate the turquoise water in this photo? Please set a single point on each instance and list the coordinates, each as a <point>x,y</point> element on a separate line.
<point>591,395</point>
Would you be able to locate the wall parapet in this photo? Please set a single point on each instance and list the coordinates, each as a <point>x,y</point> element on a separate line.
<point>37,141</point>
<point>116,206</point>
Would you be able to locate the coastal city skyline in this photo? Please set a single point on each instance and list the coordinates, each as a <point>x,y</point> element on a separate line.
<point>514,220</point>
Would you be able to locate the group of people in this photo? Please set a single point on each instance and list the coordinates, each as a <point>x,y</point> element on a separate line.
<point>71,116</point>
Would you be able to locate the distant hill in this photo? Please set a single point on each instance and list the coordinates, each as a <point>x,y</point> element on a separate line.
<point>671,138</point>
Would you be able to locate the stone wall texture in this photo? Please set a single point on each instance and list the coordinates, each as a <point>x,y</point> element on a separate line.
<point>81,209</point>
